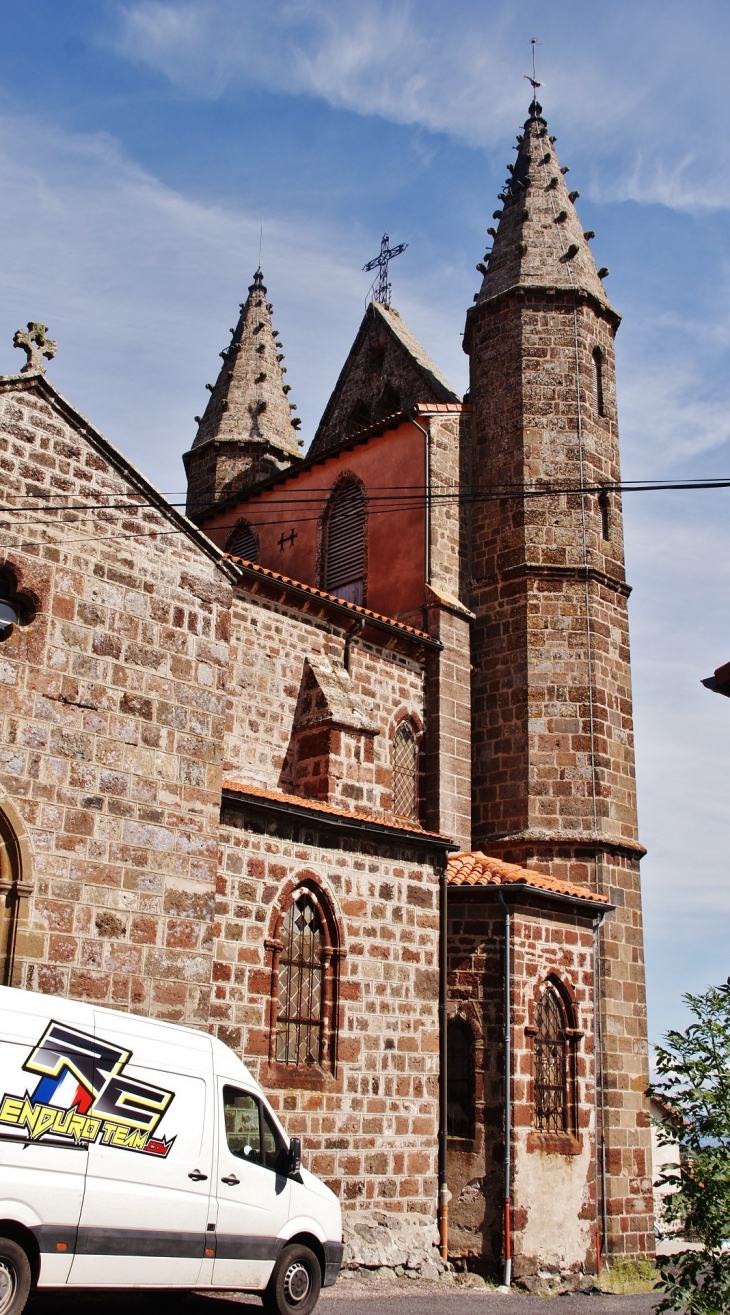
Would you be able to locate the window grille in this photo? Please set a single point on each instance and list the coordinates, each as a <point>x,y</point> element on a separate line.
<point>459,1079</point>
<point>345,569</point>
<point>298,1024</point>
<point>244,544</point>
<point>551,1066</point>
<point>405,771</point>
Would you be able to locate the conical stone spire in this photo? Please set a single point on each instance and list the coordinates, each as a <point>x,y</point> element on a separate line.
<point>540,240</point>
<point>247,431</point>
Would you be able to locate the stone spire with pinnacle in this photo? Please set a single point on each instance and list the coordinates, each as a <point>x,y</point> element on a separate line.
<point>247,431</point>
<point>539,240</point>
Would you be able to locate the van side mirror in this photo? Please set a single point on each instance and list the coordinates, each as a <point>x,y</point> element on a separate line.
<point>294,1160</point>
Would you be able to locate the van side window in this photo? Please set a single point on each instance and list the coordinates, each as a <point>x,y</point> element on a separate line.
<point>243,1133</point>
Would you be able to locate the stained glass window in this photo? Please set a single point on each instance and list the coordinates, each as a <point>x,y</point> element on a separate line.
<point>299,1015</point>
<point>551,1067</point>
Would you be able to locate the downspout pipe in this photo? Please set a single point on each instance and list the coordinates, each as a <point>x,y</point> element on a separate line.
<point>352,632</point>
<point>507,1089</point>
<point>427,487</point>
<point>444,1194</point>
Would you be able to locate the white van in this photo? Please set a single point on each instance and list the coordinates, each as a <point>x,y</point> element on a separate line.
<point>135,1153</point>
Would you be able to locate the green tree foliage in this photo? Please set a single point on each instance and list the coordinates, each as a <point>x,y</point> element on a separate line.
<point>693,1085</point>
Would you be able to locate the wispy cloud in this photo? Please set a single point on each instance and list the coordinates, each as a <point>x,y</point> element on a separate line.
<point>139,284</point>
<point>637,97</point>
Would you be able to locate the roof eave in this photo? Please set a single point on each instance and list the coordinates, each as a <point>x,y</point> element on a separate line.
<point>519,892</point>
<point>342,821</point>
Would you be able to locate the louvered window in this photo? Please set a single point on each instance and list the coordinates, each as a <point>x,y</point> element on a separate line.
<point>551,1064</point>
<point>405,771</point>
<point>244,543</point>
<point>345,555</point>
<point>299,1016</point>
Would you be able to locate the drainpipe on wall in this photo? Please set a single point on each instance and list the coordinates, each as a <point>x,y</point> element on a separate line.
<point>507,1092</point>
<point>352,632</point>
<point>443,1201</point>
<point>427,489</point>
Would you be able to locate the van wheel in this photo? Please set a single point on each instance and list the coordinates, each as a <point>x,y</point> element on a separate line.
<point>294,1285</point>
<point>14,1277</point>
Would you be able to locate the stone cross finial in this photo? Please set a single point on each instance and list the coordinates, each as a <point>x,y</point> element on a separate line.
<point>36,345</point>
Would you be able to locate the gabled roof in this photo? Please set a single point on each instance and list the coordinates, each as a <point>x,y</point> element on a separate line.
<point>37,382</point>
<point>477,869</point>
<point>386,359</point>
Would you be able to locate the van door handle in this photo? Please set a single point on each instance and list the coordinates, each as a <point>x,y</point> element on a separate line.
<point>231,1180</point>
<point>198,1177</point>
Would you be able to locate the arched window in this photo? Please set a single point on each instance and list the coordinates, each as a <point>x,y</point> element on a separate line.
<point>552,1109</point>
<point>345,544</point>
<point>243,543</point>
<point>11,890</point>
<point>300,994</point>
<point>405,771</point>
<point>598,381</point>
<point>459,1079</point>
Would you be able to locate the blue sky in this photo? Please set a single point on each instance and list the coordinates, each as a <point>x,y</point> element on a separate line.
<point>141,143</point>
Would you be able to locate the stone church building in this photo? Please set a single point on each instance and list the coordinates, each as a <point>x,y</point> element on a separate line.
<point>340,765</point>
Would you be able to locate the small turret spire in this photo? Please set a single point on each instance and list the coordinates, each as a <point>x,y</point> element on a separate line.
<point>539,241</point>
<point>249,399</point>
<point>247,431</point>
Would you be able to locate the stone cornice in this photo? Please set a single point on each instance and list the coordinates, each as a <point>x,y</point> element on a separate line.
<point>520,293</point>
<point>542,571</point>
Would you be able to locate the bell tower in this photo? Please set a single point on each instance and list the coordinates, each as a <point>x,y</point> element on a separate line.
<point>553,765</point>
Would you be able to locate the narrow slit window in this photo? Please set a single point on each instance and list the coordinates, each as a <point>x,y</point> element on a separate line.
<point>551,1064</point>
<point>345,544</point>
<point>604,506</point>
<point>299,1015</point>
<point>598,381</point>
<point>405,771</point>
<point>459,1079</point>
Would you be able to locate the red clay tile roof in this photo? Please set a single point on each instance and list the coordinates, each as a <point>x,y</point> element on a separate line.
<point>320,806</point>
<point>477,869</point>
<point>355,608</point>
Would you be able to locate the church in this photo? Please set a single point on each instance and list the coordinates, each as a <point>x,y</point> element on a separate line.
<point>339,765</point>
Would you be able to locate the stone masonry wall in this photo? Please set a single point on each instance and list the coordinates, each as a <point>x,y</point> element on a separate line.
<point>368,1127</point>
<point>112,699</point>
<point>553,1195</point>
<point>269,647</point>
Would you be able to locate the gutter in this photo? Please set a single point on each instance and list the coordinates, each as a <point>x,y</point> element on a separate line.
<point>342,822</point>
<point>349,610</point>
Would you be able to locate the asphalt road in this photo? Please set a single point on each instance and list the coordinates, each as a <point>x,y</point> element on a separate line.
<point>344,1299</point>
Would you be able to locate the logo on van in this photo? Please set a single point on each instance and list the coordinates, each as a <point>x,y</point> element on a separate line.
<point>84,1096</point>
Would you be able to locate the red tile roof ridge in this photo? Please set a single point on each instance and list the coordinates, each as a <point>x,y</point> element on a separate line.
<point>321,806</point>
<point>357,608</point>
<point>474,868</point>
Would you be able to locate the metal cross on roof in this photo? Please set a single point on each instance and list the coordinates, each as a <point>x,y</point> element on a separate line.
<point>381,286</point>
<point>36,345</point>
